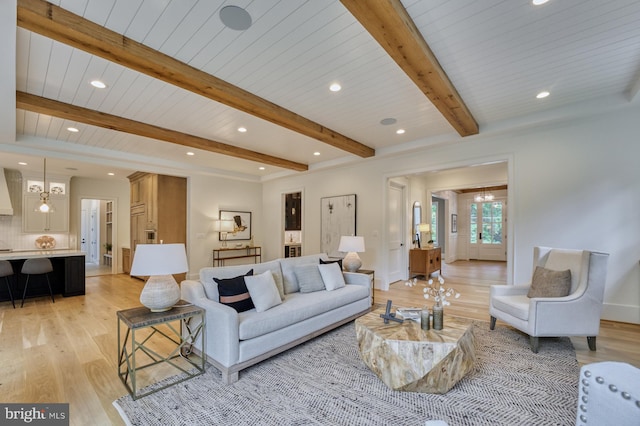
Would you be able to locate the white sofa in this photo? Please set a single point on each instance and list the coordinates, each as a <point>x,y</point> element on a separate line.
<point>237,340</point>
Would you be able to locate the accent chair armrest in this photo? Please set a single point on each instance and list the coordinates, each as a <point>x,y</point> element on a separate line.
<point>509,290</point>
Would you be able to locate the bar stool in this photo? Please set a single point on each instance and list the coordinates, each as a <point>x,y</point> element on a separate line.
<point>5,271</point>
<point>37,266</point>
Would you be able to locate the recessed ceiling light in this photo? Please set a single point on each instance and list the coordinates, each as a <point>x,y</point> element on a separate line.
<point>73,169</point>
<point>261,168</point>
<point>73,129</point>
<point>400,131</point>
<point>242,129</point>
<point>22,163</point>
<point>538,2</point>
<point>316,153</point>
<point>98,84</point>
<point>543,94</point>
<point>388,121</point>
<point>111,174</point>
<point>235,17</point>
<point>191,153</point>
<point>335,87</point>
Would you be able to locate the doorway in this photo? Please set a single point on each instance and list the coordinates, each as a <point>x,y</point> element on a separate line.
<point>396,232</point>
<point>97,237</point>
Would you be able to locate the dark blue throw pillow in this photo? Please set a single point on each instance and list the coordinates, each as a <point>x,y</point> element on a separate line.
<point>233,292</point>
<point>339,262</point>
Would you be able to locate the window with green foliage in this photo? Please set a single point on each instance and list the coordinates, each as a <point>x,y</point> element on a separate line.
<point>489,219</point>
<point>434,222</point>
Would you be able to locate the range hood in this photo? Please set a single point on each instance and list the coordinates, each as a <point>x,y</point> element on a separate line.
<point>5,202</point>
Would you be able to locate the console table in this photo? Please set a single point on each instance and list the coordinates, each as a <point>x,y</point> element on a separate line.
<point>424,261</point>
<point>190,321</point>
<point>223,254</point>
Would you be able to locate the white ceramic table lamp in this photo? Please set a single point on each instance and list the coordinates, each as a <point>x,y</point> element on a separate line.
<point>159,262</point>
<point>352,246</point>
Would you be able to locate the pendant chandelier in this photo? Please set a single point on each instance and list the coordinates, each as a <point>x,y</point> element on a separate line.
<point>44,206</point>
<point>481,198</point>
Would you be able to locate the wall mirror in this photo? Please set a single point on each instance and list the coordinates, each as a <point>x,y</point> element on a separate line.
<point>417,219</point>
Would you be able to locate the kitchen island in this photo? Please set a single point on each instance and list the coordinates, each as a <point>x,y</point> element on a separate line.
<point>67,277</point>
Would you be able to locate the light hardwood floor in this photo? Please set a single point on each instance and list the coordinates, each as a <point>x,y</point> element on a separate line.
<point>67,351</point>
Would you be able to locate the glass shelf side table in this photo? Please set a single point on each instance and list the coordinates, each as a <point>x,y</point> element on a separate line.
<point>153,338</point>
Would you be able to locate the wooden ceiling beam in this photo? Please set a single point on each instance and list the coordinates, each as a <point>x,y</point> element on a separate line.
<point>59,24</point>
<point>54,108</point>
<point>392,27</point>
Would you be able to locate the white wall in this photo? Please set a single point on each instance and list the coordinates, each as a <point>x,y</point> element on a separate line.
<point>105,189</point>
<point>206,197</point>
<point>573,185</point>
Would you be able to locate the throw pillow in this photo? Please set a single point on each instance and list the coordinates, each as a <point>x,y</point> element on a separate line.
<point>263,291</point>
<point>332,276</point>
<point>309,278</point>
<point>233,292</point>
<point>326,262</point>
<point>548,283</point>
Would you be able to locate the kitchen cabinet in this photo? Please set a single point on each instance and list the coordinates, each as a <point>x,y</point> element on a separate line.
<point>424,261</point>
<point>57,219</point>
<point>158,210</point>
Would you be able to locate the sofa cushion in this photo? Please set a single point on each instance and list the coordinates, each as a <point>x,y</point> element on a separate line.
<point>331,276</point>
<point>297,307</point>
<point>234,293</point>
<point>288,274</point>
<point>263,291</point>
<point>309,278</point>
<point>517,306</point>
<point>548,283</point>
<point>208,274</point>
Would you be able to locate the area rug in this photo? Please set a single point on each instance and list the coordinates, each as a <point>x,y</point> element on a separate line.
<point>324,382</point>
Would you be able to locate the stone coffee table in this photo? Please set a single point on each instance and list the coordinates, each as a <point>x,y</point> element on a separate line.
<point>407,358</point>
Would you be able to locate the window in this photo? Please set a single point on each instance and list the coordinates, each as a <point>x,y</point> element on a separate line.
<point>434,222</point>
<point>489,217</point>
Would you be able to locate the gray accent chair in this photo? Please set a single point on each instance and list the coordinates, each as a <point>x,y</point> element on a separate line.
<point>577,314</point>
<point>609,394</point>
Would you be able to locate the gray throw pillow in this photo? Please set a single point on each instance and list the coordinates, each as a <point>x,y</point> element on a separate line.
<point>548,283</point>
<point>263,291</point>
<point>309,278</point>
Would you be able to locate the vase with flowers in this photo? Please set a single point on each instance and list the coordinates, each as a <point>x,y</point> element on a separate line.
<point>439,293</point>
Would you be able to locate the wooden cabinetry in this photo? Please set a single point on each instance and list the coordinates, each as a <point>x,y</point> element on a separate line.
<point>158,210</point>
<point>424,261</point>
<point>126,260</point>
<point>57,219</point>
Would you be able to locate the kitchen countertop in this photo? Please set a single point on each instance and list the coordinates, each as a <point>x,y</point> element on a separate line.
<point>30,254</point>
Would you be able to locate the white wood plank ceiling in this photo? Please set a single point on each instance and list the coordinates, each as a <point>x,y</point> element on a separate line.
<point>497,53</point>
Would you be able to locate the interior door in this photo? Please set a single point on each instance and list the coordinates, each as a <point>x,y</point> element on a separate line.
<point>396,232</point>
<point>487,230</point>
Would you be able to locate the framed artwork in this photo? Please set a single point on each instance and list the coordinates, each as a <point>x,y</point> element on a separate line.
<point>241,224</point>
<point>337,218</point>
<point>454,223</point>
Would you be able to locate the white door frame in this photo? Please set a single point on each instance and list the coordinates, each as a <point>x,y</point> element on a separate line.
<point>114,228</point>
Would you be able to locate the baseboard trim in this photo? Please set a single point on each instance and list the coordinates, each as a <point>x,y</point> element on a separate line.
<point>621,313</point>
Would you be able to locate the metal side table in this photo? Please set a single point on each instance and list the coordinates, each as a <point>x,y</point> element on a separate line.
<point>136,342</point>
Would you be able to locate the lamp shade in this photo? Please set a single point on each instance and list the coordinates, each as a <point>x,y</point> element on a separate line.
<point>424,227</point>
<point>223,225</point>
<point>351,244</point>
<point>159,259</point>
